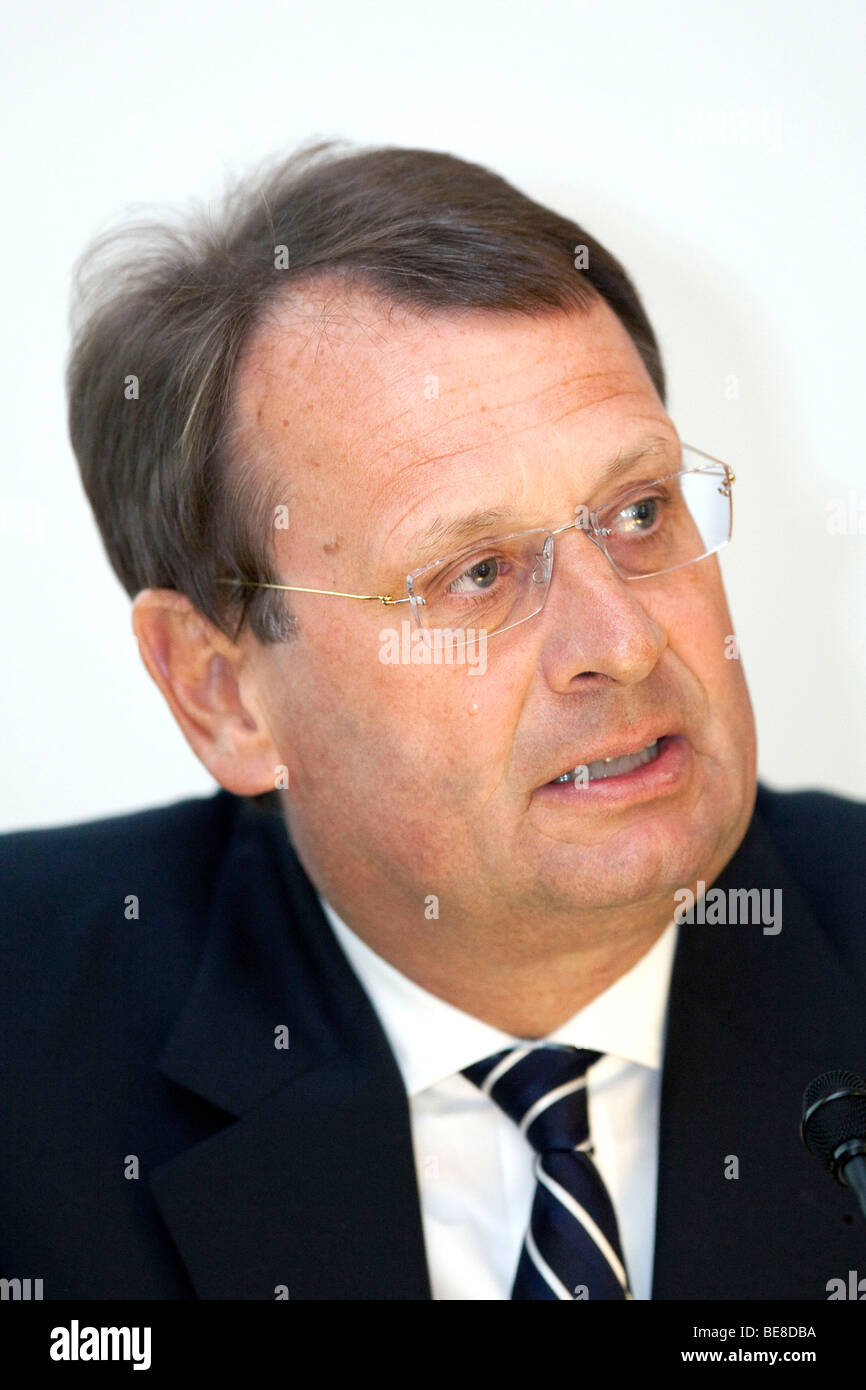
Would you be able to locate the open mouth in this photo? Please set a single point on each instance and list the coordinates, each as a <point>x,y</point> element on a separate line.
<point>610,767</point>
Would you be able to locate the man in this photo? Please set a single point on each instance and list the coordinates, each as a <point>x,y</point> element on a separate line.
<point>411,1008</point>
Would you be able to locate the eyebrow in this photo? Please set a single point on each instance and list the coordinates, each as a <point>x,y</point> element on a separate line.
<point>429,545</point>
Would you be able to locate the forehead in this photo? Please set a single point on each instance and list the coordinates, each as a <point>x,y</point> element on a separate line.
<point>370,406</point>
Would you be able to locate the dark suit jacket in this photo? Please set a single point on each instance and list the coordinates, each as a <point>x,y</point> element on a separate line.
<point>152,1038</point>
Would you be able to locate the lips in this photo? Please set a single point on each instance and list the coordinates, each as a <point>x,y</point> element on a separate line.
<point>612,767</point>
<point>613,763</point>
<point>614,789</point>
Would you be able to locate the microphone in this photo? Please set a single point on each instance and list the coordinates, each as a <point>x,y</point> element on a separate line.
<point>833,1127</point>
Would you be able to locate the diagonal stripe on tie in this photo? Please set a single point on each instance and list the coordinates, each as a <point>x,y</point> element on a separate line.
<point>572,1248</point>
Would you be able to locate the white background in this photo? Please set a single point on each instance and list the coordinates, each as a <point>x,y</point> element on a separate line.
<point>718,150</point>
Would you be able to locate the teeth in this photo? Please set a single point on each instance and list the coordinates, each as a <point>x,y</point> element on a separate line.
<point>613,767</point>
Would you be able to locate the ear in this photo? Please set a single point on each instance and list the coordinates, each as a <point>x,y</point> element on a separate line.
<point>205,680</point>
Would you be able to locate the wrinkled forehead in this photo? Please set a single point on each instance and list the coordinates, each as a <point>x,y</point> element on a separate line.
<point>358,400</point>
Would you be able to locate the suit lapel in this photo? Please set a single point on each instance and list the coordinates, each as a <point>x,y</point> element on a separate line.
<point>311,1186</point>
<point>752,1018</point>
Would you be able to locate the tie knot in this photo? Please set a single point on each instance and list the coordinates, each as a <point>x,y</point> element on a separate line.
<point>542,1089</point>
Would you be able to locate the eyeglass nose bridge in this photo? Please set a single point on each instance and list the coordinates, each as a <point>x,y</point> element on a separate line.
<point>586,521</point>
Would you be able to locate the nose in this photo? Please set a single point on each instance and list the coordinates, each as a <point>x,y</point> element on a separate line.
<point>595,623</point>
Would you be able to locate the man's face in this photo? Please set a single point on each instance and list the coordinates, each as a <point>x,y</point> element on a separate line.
<point>412,779</point>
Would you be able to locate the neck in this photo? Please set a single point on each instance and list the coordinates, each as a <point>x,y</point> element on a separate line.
<point>524,982</point>
<point>532,999</point>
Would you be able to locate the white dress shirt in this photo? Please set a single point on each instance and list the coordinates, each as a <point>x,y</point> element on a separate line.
<point>474,1167</point>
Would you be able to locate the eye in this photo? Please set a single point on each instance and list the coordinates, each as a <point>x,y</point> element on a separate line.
<point>639,516</point>
<point>478,577</point>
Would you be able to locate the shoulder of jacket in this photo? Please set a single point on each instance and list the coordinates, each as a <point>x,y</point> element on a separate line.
<point>821,838</point>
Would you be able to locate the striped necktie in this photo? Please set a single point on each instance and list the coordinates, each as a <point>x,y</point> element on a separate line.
<point>572,1248</point>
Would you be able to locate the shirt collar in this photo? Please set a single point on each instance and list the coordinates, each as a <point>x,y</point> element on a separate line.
<point>432,1039</point>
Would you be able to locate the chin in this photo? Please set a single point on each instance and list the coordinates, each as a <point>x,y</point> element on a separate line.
<point>650,858</point>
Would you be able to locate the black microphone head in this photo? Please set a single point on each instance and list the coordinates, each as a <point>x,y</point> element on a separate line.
<point>834,1112</point>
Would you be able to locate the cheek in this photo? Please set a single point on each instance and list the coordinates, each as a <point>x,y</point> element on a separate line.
<point>360,702</point>
<point>702,639</point>
<point>696,617</point>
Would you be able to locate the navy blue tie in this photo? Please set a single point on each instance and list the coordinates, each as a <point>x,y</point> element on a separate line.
<point>572,1248</point>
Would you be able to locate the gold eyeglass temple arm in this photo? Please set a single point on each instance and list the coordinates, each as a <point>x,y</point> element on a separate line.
<point>299,589</point>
